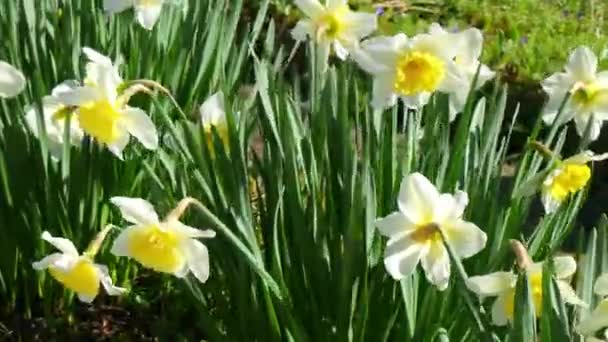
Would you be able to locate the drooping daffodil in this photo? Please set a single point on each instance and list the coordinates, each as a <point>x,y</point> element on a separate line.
<point>566,178</point>
<point>410,69</point>
<point>12,81</point>
<point>213,116</point>
<point>332,26</point>
<point>76,272</point>
<point>103,113</point>
<point>167,246</point>
<point>147,12</point>
<point>597,320</point>
<point>415,231</point>
<point>469,44</point>
<point>54,115</point>
<point>502,285</point>
<point>588,89</point>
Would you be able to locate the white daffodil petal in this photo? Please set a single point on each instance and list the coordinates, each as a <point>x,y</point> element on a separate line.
<point>416,101</point>
<point>147,15</point>
<point>465,238</point>
<point>136,210</point>
<point>115,6</point>
<point>190,232</point>
<point>340,50</point>
<point>303,30</point>
<point>450,207</point>
<point>550,203</point>
<point>85,299</point>
<point>47,261</point>
<point>118,145</point>
<point>360,24</point>
<point>568,294</point>
<point>499,316</point>
<point>12,81</point>
<point>322,51</point>
<point>197,257</point>
<point>212,110</point>
<point>139,125</point>
<point>472,44</point>
<point>582,63</point>
<point>601,285</point>
<point>436,265</point>
<point>97,57</point>
<point>417,196</point>
<point>80,96</point>
<point>492,284</point>
<point>120,246</point>
<point>106,281</point>
<point>311,8</point>
<point>394,224</point>
<point>401,257</point>
<point>383,95</point>
<point>64,245</point>
<point>581,123</point>
<point>597,320</point>
<point>565,266</point>
<point>333,4</point>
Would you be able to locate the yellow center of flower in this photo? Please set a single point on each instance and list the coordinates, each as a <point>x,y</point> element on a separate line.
<point>571,178</point>
<point>330,25</point>
<point>222,131</point>
<point>588,94</point>
<point>536,286</point>
<point>416,72</point>
<point>426,233</point>
<point>156,248</point>
<point>60,114</point>
<point>82,278</point>
<point>100,120</point>
<point>147,3</point>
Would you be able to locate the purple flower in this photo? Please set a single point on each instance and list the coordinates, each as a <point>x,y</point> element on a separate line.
<point>379,10</point>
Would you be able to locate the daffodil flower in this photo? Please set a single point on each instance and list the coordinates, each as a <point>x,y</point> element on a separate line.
<point>469,44</point>
<point>213,115</point>
<point>598,318</point>
<point>415,231</point>
<point>103,113</point>
<point>167,246</point>
<point>502,285</point>
<point>54,114</point>
<point>410,69</point>
<point>588,103</point>
<point>567,177</point>
<point>76,272</point>
<point>147,12</point>
<point>12,81</point>
<point>333,25</point>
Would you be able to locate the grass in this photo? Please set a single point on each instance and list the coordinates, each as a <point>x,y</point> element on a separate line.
<point>294,196</point>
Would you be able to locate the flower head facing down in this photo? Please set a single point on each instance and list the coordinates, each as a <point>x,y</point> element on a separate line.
<point>415,231</point>
<point>167,246</point>
<point>54,115</point>
<point>333,25</point>
<point>213,116</point>
<point>588,103</point>
<point>103,113</point>
<point>502,285</point>
<point>12,81</point>
<point>76,272</point>
<point>598,318</point>
<point>411,69</point>
<point>147,12</point>
<point>567,178</point>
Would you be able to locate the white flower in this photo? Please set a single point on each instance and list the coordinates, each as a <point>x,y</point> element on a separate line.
<point>146,11</point>
<point>502,285</point>
<point>589,93</point>
<point>12,81</point>
<point>54,114</point>
<point>598,319</point>
<point>568,177</point>
<point>76,272</point>
<point>469,44</point>
<point>213,115</point>
<point>167,246</point>
<point>333,25</point>
<point>103,114</point>
<point>414,231</point>
<point>411,68</point>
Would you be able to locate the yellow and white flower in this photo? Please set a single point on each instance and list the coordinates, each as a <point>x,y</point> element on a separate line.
<point>410,68</point>
<point>213,115</point>
<point>588,103</point>
<point>76,272</point>
<point>147,12</point>
<point>12,81</point>
<point>469,44</point>
<point>103,113</point>
<point>502,285</point>
<point>568,177</point>
<point>598,318</point>
<point>54,114</point>
<point>333,25</point>
<point>415,231</point>
<point>167,246</point>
